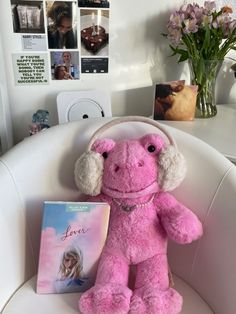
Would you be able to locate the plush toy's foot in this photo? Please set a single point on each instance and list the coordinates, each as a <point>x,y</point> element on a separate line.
<point>106,299</point>
<point>151,300</point>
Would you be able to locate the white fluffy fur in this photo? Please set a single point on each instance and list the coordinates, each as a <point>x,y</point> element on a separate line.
<point>172,168</point>
<point>88,173</point>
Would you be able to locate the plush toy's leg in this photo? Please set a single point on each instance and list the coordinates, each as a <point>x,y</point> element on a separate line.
<point>110,293</point>
<point>152,294</point>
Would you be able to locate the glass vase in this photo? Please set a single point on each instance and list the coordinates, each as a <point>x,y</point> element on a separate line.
<point>204,73</point>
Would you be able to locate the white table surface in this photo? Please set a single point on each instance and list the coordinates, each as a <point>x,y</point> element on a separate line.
<point>218,131</point>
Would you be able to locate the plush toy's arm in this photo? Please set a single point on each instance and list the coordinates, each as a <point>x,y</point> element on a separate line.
<point>179,222</point>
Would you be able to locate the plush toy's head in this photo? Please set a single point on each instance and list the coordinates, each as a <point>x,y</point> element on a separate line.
<point>130,168</point>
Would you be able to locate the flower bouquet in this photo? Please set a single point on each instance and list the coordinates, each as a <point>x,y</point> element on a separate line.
<point>203,36</point>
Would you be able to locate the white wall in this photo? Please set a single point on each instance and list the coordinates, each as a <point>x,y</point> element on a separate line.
<point>6,136</point>
<point>138,59</point>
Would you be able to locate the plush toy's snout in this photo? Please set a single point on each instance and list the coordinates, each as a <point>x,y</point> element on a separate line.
<point>130,167</point>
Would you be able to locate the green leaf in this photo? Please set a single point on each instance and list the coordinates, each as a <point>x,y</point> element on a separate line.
<point>183,57</point>
<point>206,41</point>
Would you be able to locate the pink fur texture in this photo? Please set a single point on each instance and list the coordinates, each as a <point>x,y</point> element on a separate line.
<point>142,219</point>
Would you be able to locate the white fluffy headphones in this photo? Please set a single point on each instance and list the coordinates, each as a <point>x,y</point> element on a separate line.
<point>89,167</point>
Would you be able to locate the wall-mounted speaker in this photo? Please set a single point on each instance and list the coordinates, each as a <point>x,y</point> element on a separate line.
<point>75,105</point>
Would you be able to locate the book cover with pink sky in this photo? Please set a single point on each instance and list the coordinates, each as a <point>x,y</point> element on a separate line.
<point>72,238</point>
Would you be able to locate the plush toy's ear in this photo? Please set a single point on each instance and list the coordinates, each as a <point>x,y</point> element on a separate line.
<point>171,163</point>
<point>89,167</point>
<point>153,139</point>
<point>172,168</point>
<point>88,173</point>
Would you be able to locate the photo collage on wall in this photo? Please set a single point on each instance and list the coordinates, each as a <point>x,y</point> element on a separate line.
<point>73,34</point>
<point>94,25</point>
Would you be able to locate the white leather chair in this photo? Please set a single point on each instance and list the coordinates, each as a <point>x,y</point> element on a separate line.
<point>41,168</point>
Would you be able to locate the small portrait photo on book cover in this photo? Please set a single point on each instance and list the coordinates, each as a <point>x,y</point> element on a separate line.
<point>70,272</point>
<point>175,101</point>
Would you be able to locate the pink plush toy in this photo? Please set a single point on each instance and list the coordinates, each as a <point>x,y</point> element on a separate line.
<point>133,176</point>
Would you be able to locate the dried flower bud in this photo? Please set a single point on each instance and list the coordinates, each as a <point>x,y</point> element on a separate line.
<point>227,10</point>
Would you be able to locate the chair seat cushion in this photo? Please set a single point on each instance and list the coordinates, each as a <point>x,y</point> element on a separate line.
<point>27,301</point>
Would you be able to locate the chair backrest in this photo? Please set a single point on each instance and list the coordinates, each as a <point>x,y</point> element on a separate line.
<point>41,168</point>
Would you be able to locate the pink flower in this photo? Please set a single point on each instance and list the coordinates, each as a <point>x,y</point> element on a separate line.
<point>207,20</point>
<point>191,9</point>
<point>190,26</point>
<point>232,25</point>
<point>228,28</point>
<point>202,32</point>
<point>176,20</point>
<point>198,14</point>
<point>175,36</point>
<point>221,21</point>
<point>209,7</point>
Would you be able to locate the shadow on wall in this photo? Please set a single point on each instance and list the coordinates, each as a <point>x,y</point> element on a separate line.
<point>143,48</point>
<point>225,85</point>
<point>51,100</point>
<point>137,101</point>
<point>160,56</point>
<point>145,62</point>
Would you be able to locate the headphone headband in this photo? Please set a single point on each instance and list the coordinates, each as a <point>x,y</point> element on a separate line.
<point>90,165</point>
<point>117,121</point>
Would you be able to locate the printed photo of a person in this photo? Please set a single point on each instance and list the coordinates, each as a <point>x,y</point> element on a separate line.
<point>70,273</point>
<point>61,20</point>
<point>61,73</point>
<point>175,101</point>
<point>67,62</point>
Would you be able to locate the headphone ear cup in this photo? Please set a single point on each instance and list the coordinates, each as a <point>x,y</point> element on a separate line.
<point>172,168</point>
<point>88,173</point>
